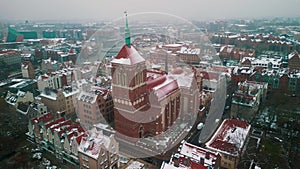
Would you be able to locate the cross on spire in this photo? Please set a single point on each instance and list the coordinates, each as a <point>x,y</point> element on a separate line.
<point>127,32</point>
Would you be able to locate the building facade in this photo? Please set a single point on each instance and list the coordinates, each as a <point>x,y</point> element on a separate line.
<point>142,107</point>
<point>27,70</point>
<point>55,100</point>
<point>98,151</point>
<point>10,57</point>
<point>94,106</point>
<point>57,135</point>
<point>246,100</point>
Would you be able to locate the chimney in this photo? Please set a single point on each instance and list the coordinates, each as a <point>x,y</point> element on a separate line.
<point>207,154</point>
<point>202,160</point>
<point>176,162</point>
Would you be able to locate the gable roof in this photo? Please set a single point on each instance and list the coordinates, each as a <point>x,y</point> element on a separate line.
<point>293,54</point>
<point>166,88</point>
<point>42,118</point>
<point>78,138</point>
<point>92,144</point>
<point>54,122</point>
<point>128,56</point>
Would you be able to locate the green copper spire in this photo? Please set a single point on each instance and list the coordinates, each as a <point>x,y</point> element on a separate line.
<point>127,33</point>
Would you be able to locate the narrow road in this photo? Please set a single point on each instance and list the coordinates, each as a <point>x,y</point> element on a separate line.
<point>214,116</point>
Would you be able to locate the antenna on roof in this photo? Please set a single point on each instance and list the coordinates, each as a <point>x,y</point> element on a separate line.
<point>127,32</point>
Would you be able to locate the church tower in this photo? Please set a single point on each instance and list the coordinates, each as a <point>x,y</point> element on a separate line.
<point>129,88</point>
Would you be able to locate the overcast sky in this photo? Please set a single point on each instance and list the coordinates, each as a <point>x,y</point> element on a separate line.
<point>111,9</point>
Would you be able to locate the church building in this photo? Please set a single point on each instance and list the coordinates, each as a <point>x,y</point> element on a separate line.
<point>146,102</point>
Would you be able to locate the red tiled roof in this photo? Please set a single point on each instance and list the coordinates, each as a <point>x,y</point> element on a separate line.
<point>210,75</point>
<point>43,118</point>
<point>78,138</point>
<point>25,63</point>
<point>130,53</point>
<point>220,68</point>
<point>79,127</point>
<point>224,146</point>
<point>64,123</point>
<point>166,89</point>
<point>8,51</point>
<point>64,130</point>
<point>74,132</point>
<point>242,95</point>
<point>70,135</point>
<point>54,122</point>
<point>152,82</point>
<point>70,127</point>
<point>218,141</point>
<point>193,165</point>
<point>177,71</point>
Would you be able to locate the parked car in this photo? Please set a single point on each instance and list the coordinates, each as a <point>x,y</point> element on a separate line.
<point>200,126</point>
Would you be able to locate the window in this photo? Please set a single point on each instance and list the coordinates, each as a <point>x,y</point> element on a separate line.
<point>125,79</point>
<point>85,158</point>
<point>85,164</point>
<point>276,83</point>
<point>118,78</point>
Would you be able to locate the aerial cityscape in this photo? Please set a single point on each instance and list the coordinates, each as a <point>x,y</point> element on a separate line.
<point>209,86</point>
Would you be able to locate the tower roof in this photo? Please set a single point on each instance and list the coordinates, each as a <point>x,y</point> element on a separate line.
<point>127,32</point>
<point>128,56</point>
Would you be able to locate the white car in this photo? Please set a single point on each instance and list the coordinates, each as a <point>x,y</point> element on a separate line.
<point>200,126</point>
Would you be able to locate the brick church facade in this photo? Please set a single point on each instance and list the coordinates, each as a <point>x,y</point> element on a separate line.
<point>146,102</point>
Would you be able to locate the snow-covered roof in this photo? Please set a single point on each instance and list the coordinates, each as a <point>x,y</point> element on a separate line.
<point>42,118</point>
<point>172,45</point>
<point>166,88</point>
<point>135,165</point>
<point>234,36</point>
<point>185,50</point>
<point>128,56</point>
<point>91,146</point>
<point>49,94</point>
<point>195,152</point>
<point>293,54</point>
<point>68,93</point>
<point>190,156</point>
<point>87,97</point>
<point>184,78</point>
<point>230,137</point>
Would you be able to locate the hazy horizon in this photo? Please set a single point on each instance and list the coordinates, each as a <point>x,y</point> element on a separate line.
<point>107,10</point>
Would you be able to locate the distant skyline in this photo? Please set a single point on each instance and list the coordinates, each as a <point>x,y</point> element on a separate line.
<point>112,9</point>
